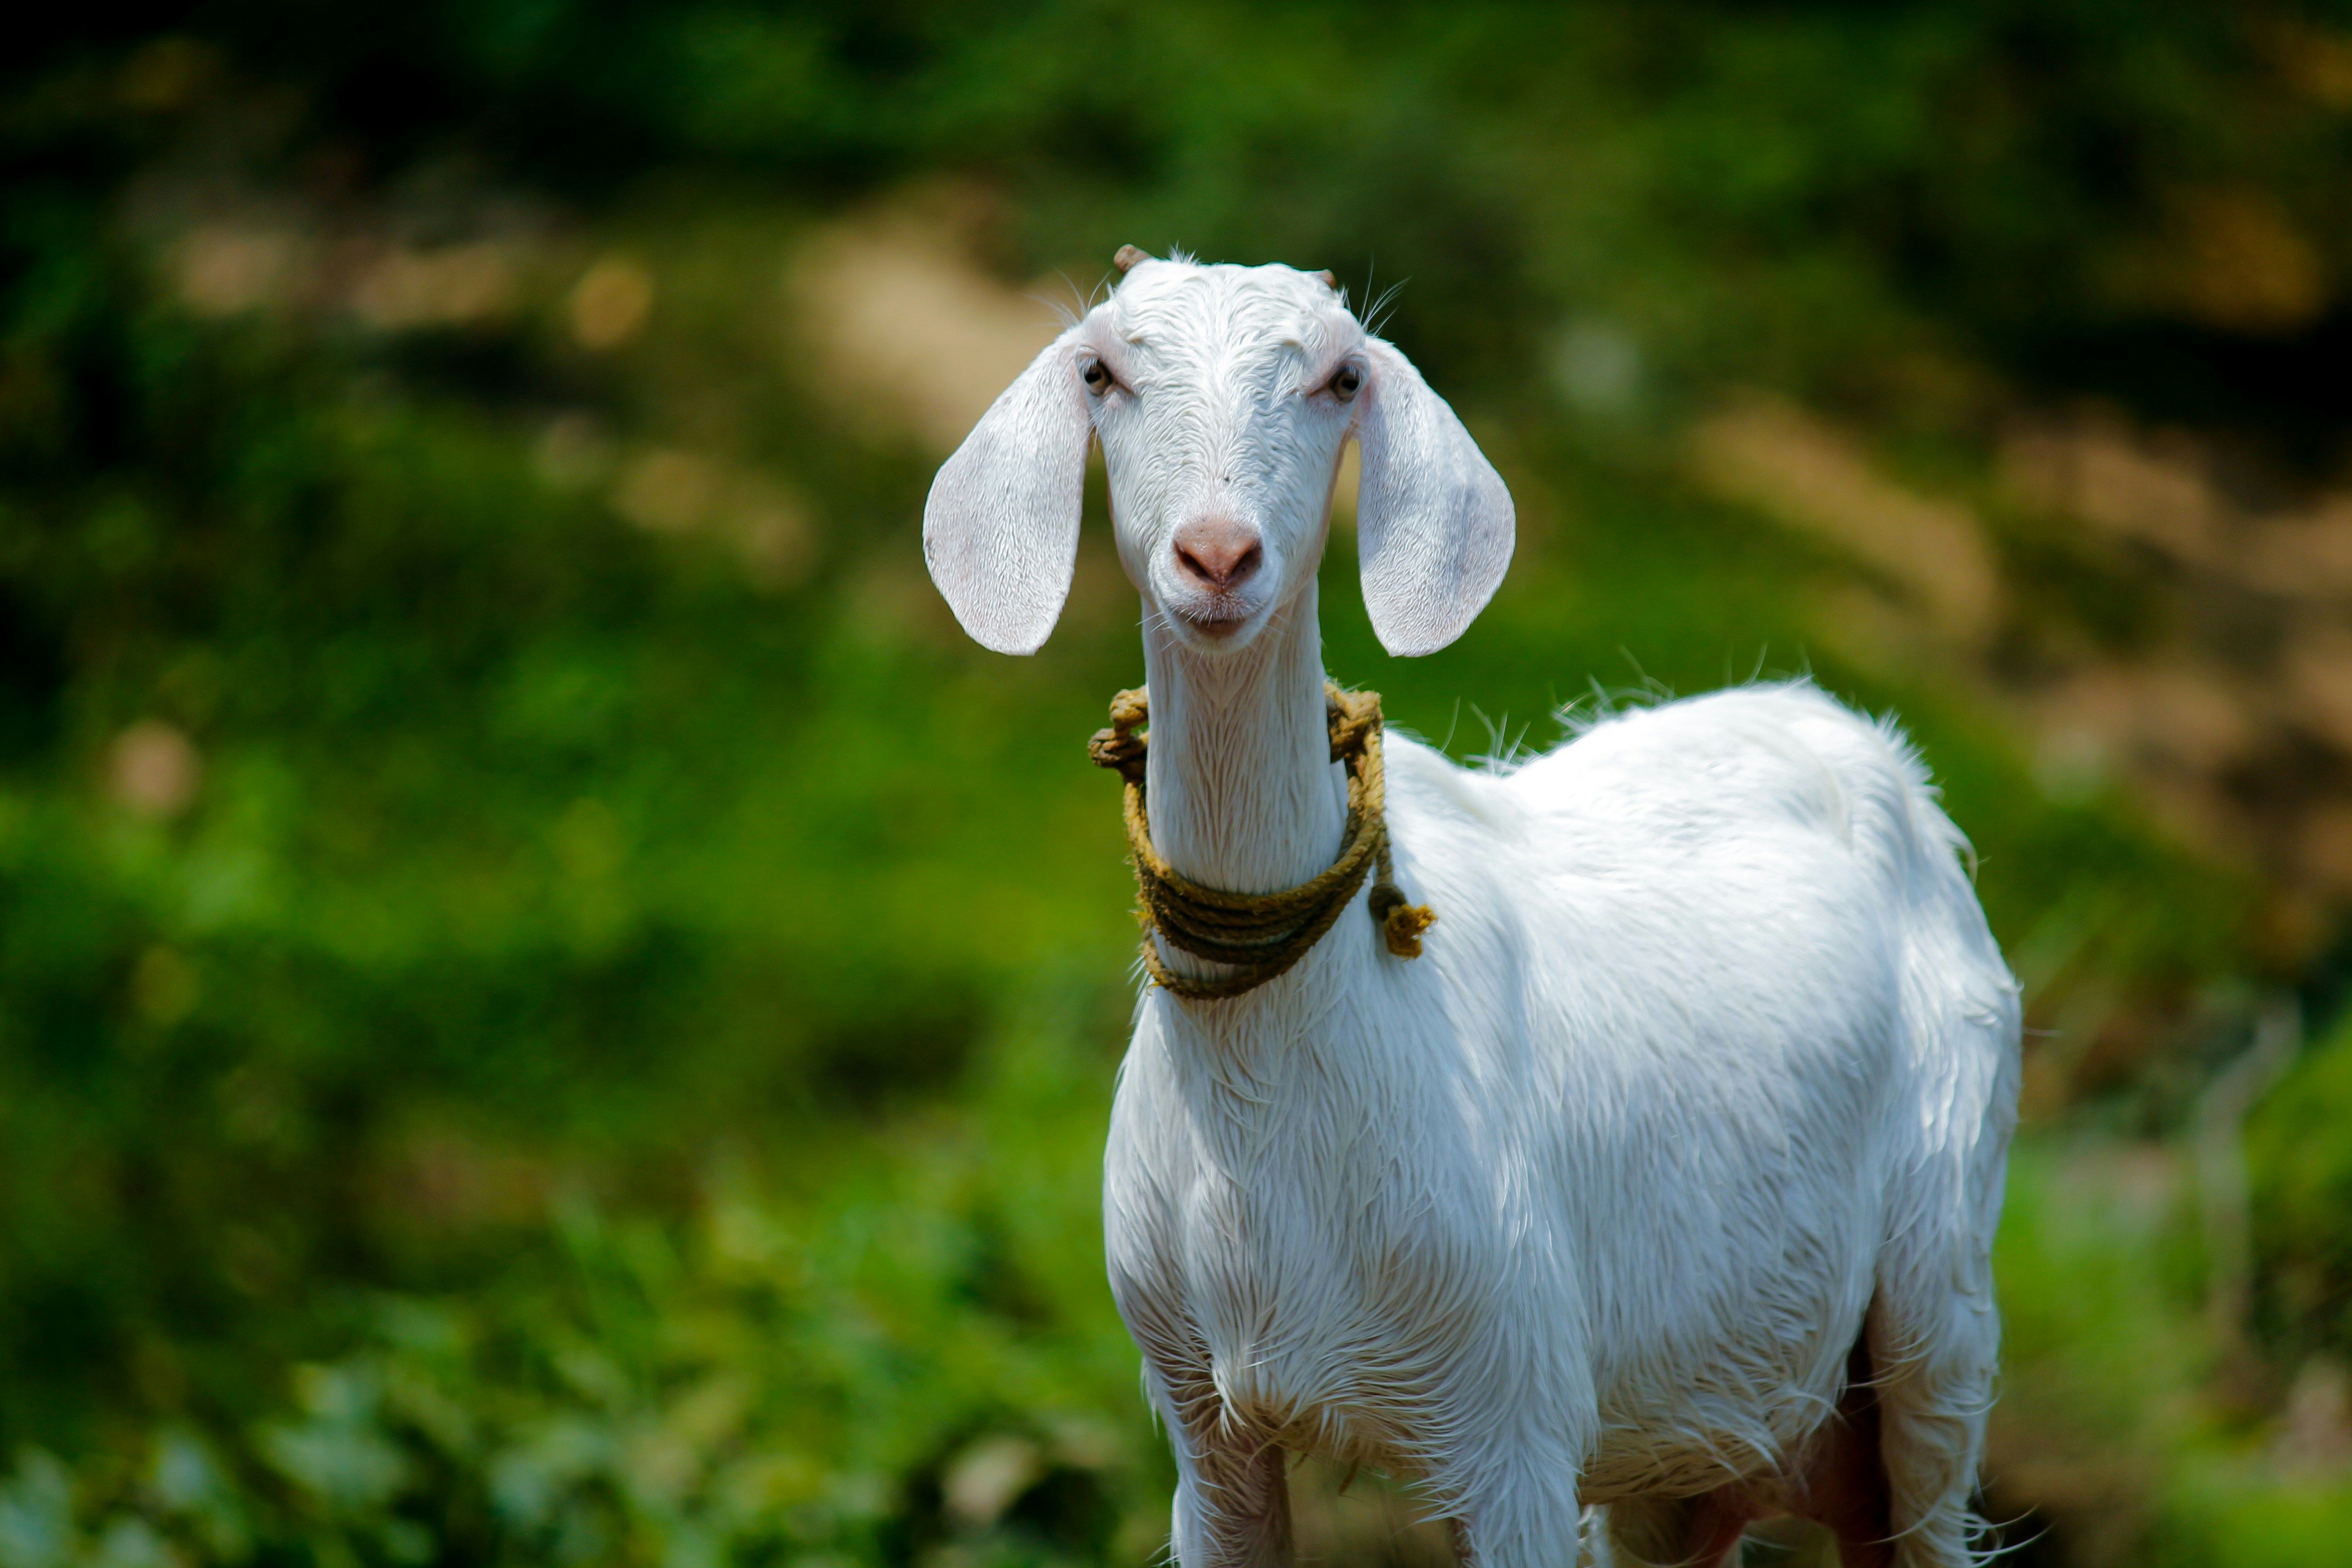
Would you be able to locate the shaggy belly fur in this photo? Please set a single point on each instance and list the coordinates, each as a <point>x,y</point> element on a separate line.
<point>1326,1346</point>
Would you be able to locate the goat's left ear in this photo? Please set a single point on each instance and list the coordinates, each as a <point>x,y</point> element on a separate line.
<point>1001,528</point>
<point>1433,521</point>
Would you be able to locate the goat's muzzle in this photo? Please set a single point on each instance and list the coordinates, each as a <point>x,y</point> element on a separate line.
<point>1217,554</point>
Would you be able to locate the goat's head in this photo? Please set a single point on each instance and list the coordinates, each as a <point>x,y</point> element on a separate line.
<point>1224,397</point>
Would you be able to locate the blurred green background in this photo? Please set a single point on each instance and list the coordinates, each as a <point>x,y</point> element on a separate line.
<point>553,1010</point>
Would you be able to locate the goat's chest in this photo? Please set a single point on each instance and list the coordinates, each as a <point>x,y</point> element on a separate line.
<point>1300,1238</point>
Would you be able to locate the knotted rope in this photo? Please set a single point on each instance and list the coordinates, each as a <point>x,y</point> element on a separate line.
<point>1263,934</point>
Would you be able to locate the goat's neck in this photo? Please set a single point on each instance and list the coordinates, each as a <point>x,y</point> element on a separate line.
<point>1241,786</point>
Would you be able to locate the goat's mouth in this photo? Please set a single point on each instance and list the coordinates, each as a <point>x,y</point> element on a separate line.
<point>1218,619</point>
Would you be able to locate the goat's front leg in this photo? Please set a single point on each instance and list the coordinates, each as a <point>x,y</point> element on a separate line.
<point>1233,1508</point>
<point>1526,1515</point>
<point>1232,1487</point>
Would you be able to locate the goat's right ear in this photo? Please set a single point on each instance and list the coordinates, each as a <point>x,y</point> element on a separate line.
<point>1001,528</point>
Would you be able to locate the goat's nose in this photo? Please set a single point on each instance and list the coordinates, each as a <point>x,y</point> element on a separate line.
<point>1218,551</point>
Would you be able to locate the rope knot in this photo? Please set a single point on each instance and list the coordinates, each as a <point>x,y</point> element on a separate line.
<point>1121,748</point>
<point>1401,924</point>
<point>1261,935</point>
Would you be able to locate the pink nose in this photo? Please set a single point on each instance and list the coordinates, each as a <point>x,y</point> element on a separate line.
<point>1217,551</point>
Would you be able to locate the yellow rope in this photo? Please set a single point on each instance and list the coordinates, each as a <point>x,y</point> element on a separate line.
<point>1263,934</point>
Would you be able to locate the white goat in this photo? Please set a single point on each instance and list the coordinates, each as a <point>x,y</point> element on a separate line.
<point>1664,1182</point>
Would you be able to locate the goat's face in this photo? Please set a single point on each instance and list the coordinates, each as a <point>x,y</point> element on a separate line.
<point>1222,397</point>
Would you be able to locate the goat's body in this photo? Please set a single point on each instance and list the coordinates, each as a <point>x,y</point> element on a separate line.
<point>1711,1051</point>
<point>1665,1179</point>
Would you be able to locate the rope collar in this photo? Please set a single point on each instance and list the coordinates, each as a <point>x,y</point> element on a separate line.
<point>1263,934</point>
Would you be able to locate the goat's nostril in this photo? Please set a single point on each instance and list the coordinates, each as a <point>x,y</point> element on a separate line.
<point>1216,570</point>
<point>1218,553</point>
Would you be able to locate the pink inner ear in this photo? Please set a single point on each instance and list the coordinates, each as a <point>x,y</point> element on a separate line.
<point>1001,526</point>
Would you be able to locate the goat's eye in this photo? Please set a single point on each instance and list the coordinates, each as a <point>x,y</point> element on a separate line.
<point>1097,375</point>
<point>1345,384</point>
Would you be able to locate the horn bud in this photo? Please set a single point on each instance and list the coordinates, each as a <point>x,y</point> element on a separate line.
<point>1128,255</point>
<point>1330,279</point>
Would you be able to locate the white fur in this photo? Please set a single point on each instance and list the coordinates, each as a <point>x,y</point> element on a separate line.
<point>1709,1067</point>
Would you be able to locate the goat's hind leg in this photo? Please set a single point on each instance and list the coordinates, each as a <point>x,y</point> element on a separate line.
<point>1933,1330</point>
<point>1842,1481</point>
<point>1935,1359</point>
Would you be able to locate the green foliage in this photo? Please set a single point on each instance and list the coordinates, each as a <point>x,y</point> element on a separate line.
<point>2301,1166</point>
<point>914,1354</point>
<point>2108,1354</point>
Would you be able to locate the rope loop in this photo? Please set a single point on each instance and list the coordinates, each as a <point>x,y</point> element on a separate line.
<point>1261,935</point>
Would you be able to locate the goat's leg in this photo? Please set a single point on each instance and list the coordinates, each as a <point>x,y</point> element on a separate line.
<point>1232,1485</point>
<point>1526,1517</point>
<point>1232,1507</point>
<point>1934,1355</point>
<point>1843,1484</point>
<point>1233,1491</point>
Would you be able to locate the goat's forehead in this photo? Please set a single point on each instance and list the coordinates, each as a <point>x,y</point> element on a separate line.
<point>1185,309</point>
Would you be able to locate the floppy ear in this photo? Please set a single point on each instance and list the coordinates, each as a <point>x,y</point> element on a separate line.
<point>1434,522</point>
<point>1001,528</point>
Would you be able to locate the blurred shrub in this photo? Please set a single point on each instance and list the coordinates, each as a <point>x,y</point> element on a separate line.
<point>2148,208</point>
<point>916,1361</point>
<point>2301,1161</point>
